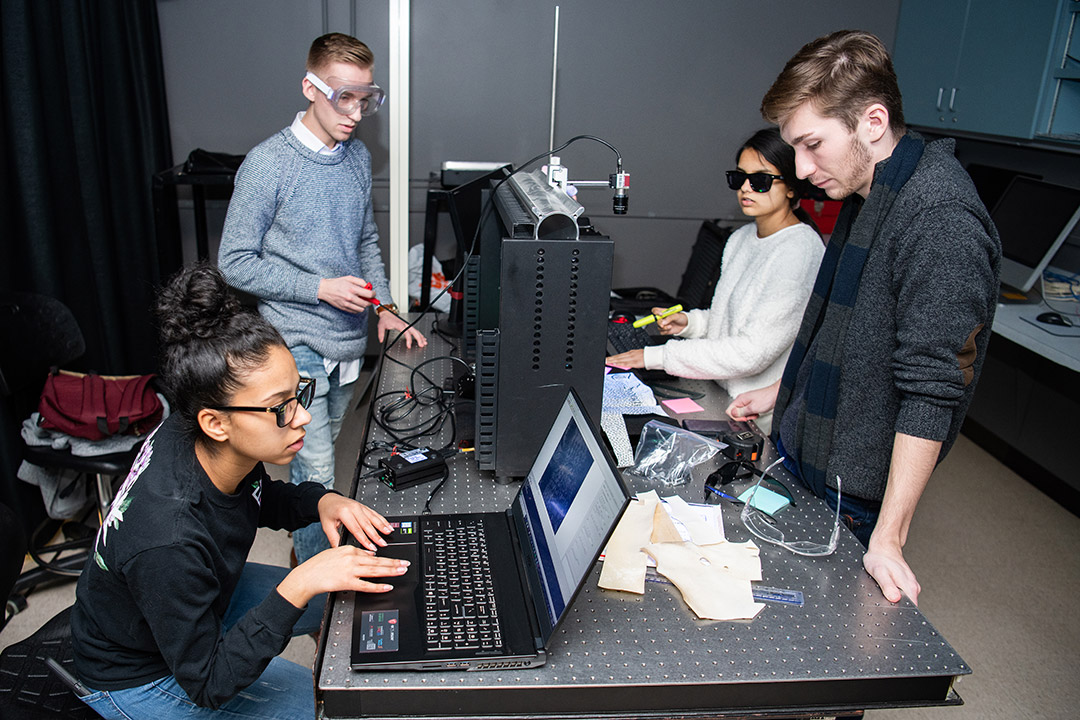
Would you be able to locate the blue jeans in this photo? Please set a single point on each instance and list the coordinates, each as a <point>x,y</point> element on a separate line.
<point>315,461</point>
<point>858,514</point>
<point>283,691</point>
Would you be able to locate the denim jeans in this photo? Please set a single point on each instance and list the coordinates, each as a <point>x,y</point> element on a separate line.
<point>858,514</point>
<point>283,691</point>
<point>315,461</point>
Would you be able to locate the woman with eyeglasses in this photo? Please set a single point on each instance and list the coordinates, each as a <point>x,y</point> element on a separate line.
<point>170,618</point>
<point>767,273</point>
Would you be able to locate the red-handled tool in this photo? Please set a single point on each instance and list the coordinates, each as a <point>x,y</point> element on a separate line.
<point>374,300</point>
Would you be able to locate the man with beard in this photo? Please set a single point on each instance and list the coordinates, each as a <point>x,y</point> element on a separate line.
<point>895,333</point>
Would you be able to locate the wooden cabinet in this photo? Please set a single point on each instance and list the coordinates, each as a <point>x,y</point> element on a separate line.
<point>980,66</point>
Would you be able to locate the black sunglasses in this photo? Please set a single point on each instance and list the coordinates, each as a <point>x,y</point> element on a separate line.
<point>729,472</point>
<point>759,182</point>
<point>286,410</point>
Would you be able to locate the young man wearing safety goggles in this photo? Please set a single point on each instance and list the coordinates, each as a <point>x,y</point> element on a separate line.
<point>300,235</point>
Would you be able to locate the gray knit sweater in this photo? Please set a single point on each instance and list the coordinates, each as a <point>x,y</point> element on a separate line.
<point>295,218</point>
<point>918,333</point>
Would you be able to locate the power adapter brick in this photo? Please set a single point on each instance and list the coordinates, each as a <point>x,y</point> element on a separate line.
<point>412,467</point>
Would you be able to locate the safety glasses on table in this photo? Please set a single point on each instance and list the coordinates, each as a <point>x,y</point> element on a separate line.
<point>348,98</point>
<point>285,411</point>
<point>759,182</point>
<point>764,528</point>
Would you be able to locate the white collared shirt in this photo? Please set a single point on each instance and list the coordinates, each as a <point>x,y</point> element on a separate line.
<point>312,143</point>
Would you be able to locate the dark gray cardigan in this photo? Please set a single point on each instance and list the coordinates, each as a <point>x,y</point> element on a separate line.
<point>918,333</point>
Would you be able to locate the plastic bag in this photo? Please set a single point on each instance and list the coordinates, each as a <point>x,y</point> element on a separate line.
<point>438,280</point>
<point>668,454</point>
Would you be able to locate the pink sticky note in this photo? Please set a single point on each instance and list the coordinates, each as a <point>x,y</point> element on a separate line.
<point>682,405</point>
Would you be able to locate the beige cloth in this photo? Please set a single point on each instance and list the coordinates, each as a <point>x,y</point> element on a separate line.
<point>624,561</point>
<point>715,579</point>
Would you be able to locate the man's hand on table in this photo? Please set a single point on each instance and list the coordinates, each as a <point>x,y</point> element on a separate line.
<point>752,403</point>
<point>389,321</point>
<point>885,563</point>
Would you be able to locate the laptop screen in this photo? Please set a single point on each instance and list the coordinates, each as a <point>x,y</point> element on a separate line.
<point>569,503</point>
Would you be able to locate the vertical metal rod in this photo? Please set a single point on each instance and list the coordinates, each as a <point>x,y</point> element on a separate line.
<point>554,76</point>
<point>399,150</point>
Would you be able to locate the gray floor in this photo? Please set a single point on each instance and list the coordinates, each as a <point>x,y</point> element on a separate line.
<point>997,561</point>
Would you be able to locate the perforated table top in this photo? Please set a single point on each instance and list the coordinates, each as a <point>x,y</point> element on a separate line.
<point>623,655</point>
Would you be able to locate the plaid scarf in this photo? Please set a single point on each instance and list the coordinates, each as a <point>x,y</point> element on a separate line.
<point>828,313</point>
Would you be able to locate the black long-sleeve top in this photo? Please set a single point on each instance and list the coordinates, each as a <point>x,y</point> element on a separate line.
<point>151,599</point>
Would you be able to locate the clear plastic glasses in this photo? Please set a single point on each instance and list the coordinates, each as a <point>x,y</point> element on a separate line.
<point>347,99</point>
<point>764,528</point>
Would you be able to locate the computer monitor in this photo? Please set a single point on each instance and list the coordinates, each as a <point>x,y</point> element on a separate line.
<point>1033,218</point>
<point>991,181</point>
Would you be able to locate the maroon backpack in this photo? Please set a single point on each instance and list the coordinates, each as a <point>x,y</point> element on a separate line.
<point>97,406</point>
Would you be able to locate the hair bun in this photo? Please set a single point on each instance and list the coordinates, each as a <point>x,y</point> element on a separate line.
<point>194,304</point>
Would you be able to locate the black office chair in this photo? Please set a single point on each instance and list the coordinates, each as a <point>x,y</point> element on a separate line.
<point>36,676</point>
<point>698,279</point>
<point>36,333</point>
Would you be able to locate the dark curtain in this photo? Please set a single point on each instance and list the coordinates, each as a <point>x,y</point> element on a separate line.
<point>84,127</point>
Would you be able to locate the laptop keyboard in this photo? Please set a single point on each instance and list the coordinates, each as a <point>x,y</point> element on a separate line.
<point>459,601</point>
<point>623,336</point>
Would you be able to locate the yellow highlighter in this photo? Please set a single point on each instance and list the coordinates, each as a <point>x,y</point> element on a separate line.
<point>642,322</point>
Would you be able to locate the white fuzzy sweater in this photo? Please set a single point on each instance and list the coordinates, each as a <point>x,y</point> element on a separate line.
<point>742,341</point>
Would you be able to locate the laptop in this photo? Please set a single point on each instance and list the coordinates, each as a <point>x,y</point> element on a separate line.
<point>498,607</point>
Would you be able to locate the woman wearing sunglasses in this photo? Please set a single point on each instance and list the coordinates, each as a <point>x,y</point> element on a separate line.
<point>170,619</point>
<point>767,272</point>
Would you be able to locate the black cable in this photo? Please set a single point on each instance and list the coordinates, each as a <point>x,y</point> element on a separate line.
<point>390,416</point>
<point>446,454</point>
<point>447,338</point>
<point>431,495</point>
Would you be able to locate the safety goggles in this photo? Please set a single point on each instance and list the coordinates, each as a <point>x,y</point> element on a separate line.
<point>347,99</point>
<point>759,182</point>
<point>286,411</point>
<point>765,528</point>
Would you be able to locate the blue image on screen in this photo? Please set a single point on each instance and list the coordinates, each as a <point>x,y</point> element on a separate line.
<point>565,473</point>
<point>553,595</point>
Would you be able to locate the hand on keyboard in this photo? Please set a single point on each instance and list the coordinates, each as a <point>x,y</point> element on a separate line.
<point>628,359</point>
<point>338,569</point>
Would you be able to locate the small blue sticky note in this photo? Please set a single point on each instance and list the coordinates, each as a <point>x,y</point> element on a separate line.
<point>765,500</point>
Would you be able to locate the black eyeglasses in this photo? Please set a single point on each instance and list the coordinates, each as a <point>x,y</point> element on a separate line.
<point>284,412</point>
<point>759,182</point>
<point>729,472</point>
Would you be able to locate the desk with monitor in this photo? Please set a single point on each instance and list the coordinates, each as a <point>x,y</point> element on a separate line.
<point>622,655</point>
<point>1028,396</point>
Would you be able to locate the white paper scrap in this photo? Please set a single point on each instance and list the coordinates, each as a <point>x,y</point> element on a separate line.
<point>702,522</point>
<point>624,393</point>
